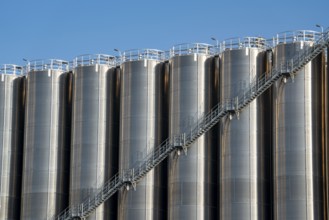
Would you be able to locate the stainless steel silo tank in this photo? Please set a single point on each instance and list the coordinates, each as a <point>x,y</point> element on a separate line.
<point>192,178</point>
<point>245,147</point>
<point>95,126</point>
<point>143,126</point>
<point>46,140</point>
<point>298,131</point>
<point>11,139</point>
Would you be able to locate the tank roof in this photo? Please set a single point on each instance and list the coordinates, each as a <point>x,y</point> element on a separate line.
<point>11,69</point>
<point>192,48</point>
<point>92,59</point>
<point>48,64</point>
<point>142,54</point>
<point>243,42</point>
<point>296,36</point>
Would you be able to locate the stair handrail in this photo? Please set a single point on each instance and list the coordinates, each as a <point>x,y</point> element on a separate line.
<point>232,106</point>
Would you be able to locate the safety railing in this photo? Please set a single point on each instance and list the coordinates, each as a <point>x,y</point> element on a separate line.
<point>296,36</point>
<point>156,156</point>
<point>11,69</point>
<point>51,64</point>
<point>181,142</point>
<point>246,42</point>
<point>93,59</point>
<point>142,54</point>
<point>192,48</point>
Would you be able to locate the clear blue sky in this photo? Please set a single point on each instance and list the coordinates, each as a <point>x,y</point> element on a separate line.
<point>63,29</point>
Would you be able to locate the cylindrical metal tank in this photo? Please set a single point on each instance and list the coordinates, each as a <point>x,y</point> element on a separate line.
<point>46,140</point>
<point>192,178</point>
<point>95,127</point>
<point>298,126</point>
<point>143,126</point>
<point>11,140</point>
<point>244,156</point>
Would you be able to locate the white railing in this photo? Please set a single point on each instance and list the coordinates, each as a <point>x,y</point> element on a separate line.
<point>11,69</point>
<point>50,64</point>
<point>296,36</point>
<point>192,48</point>
<point>246,42</point>
<point>93,59</point>
<point>142,54</point>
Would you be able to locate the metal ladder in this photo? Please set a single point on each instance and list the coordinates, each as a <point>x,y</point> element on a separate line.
<point>129,178</point>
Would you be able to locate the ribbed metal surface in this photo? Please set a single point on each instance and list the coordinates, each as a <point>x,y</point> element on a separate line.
<point>95,129</point>
<point>192,177</point>
<point>244,151</point>
<point>297,137</point>
<point>46,144</point>
<point>142,128</point>
<point>11,144</point>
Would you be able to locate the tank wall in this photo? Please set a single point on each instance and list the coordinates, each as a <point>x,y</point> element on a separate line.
<point>11,144</point>
<point>94,134</point>
<point>192,180</point>
<point>297,138</point>
<point>46,145</point>
<point>143,125</point>
<point>244,146</point>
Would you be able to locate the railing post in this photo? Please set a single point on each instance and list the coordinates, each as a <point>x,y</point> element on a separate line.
<point>236,103</point>
<point>244,96</point>
<point>81,208</point>
<point>291,65</point>
<point>197,125</point>
<point>153,157</point>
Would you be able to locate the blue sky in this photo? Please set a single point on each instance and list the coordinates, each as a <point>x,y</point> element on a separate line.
<point>63,29</point>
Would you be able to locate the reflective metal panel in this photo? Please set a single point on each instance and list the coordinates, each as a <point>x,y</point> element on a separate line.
<point>245,145</point>
<point>192,178</point>
<point>143,122</point>
<point>297,137</point>
<point>46,144</point>
<point>94,144</point>
<point>11,144</point>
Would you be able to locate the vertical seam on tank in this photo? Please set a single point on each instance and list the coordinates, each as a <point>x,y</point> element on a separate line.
<point>282,91</point>
<point>73,188</point>
<point>49,153</point>
<point>3,142</point>
<point>10,124</point>
<point>276,102</point>
<point>325,72</point>
<point>24,146</point>
<point>146,128</point>
<point>98,124</point>
<point>305,141</point>
<point>325,89</point>
<point>323,131</point>
<point>198,141</point>
<point>323,158</point>
<point>249,136</point>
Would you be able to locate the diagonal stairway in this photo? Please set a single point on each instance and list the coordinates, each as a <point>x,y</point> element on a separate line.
<point>129,178</point>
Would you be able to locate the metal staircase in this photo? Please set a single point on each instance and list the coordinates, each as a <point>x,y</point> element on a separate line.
<point>129,178</point>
